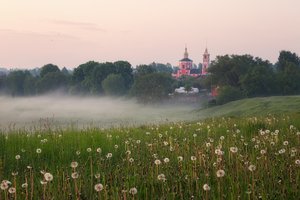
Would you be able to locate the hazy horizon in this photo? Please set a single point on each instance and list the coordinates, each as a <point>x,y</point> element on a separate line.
<point>68,33</point>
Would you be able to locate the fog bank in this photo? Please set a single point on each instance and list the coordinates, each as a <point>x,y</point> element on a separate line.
<point>83,111</point>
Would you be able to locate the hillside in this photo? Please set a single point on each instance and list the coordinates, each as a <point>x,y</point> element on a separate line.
<point>254,106</point>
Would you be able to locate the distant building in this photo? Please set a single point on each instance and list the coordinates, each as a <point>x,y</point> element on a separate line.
<point>187,68</point>
<point>182,90</point>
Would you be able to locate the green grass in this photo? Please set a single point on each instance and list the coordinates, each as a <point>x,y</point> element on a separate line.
<point>277,175</point>
<point>260,106</point>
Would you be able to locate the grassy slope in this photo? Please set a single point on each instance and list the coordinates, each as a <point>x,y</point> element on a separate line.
<point>255,106</point>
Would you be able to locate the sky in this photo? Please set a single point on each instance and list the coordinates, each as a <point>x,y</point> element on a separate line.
<point>71,32</point>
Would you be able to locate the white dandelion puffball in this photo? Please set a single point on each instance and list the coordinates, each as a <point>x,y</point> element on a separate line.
<point>220,173</point>
<point>98,187</point>
<point>180,158</point>
<point>206,187</point>
<point>18,157</point>
<point>252,168</point>
<point>12,190</point>
<point>38,150</point>
<point>297,162</point>
<point>89,149</point>
<point>193,158</point>
<point>233,149</point>
<point>74,164</point>
<point>109,155</point>
<point>5,184</point>
<point>24,185</point>
<point>157,162</point>
<point>166,160</point>
<point>74,175</point>
<point>99,150</point>
<point>133,191</point>
<point>131,160</point>
<point>48,177</point>
<point>161,177</point>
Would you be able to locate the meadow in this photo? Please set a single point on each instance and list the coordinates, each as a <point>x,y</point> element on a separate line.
<point>216,158</point>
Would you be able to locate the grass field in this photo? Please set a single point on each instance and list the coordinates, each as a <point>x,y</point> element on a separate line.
<point>223,158</point>
<point>259,106</point>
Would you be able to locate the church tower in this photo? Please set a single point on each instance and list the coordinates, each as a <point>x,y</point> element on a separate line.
<point>205,64</point>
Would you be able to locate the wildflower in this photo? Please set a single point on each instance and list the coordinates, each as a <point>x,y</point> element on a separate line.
<point>24,185</point>
<point>220,173</point>
<point>77,153</point>
<point>285,143</point>
<point>43,182</point>
<point>281,151</point>
<point>109,155</point>
<point>89,149</point>
<point>97,175</point>
<point>138,141</point>
<point>48,177</point>
<point>297,162</point>
<point>38,150</point>
<point>161,177</point>
<point>233,149</point>
<point>5,184</point>
<point>207,144</point>
<point>180,158</point>
<point>14,173</point>
<point>206,187</point>
<point>74,175</point>
<point>98,187</point>
<point>222,138</point>
<point>12,190</point>
<point>116,146</point>
<point>99,150</point>
<point>74,164</point>
<point>252,168</point>
<point>263,151</point>
<point>193,158</point>
<point>131,160</point>
<point>166,160</point>
<point>133,191</point>
<point>18,157</point>
<point>166,143</point>
<point>157,162</point>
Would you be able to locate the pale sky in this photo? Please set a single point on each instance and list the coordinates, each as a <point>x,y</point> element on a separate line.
<point>71,32</point>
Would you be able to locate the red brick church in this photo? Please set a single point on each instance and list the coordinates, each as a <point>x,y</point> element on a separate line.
<point>186,66</point>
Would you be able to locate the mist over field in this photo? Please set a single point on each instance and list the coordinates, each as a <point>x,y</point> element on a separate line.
<point>83,111</point>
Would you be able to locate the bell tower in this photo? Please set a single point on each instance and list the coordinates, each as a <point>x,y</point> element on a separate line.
<point>205,63</point>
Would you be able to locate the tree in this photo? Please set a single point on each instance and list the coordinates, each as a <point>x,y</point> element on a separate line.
<point>227,94</point>
<point>286,57</point>
<point>49,68</point>
<point>114,85</point>
<point>51,81</point>
<point>153,87</point>
<point>15,82</point>
<point>145,69</point>
<point>259,81</point>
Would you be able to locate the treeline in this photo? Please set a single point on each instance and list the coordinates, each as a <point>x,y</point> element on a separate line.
<point>242,76</point>
<point>235,76</point>
<point>149,83</point>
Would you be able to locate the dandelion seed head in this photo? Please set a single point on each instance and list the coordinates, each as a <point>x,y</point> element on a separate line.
<point>206,187</point>
<point>89,149</point>
<point>12,190</point>
<point>252,168</point>
<point>166,160</point>
<point>99,150</point>
<point>133,191</point>
<point>18,157</point>
<point>74,175</point>
<point>74,164</point>
<point>157,162</point>
<point>48,177</point>
<point>193,158</point>
<point>233,149</point>
<point>38,150</point>
<point>98,187</point>
<point>220,173</point>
